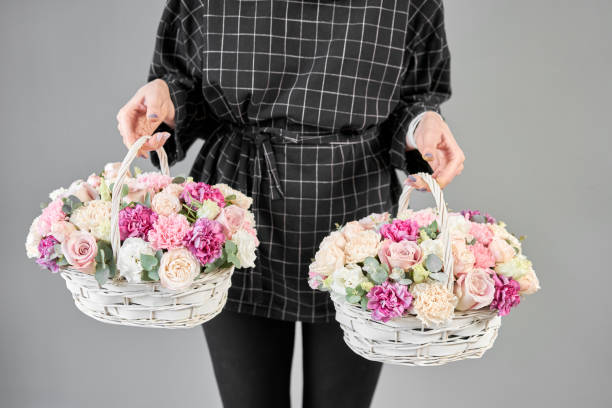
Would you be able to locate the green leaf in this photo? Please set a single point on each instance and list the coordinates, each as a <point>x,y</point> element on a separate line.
<point>101,274</point>
<point>479,219</point>
<point>438,276</point>
<point>159,254</point>
<point>144,276</point>
<point>472,242</point>
<point>433,263</point>
<point>124,190</point>
<point>231,247</point>
<point>404,281</point>
<point>379,274</point>
<point>350,291</point>
<point>147,200</point>
<point>137,171</point>
<point>353,298</point>
<point>153,275</point>
<point>178,180</point>
<point>149,262</point>
<point>364,303</point>
<point>105,192</point>
<point>67,209</point>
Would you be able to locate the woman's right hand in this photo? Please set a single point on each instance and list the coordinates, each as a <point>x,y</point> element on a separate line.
<point>148,108</point>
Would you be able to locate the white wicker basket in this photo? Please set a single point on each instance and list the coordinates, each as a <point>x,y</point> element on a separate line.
<point>146,304</point>
<point>405,340</point>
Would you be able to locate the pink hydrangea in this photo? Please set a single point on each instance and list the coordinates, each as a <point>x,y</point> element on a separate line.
<point>388,300</point>
<point>50,215</point>
<point>136,221</point>
<point>205,240</point>
<point>168,231</point>
<point>46,250</point>
<point>154,181</point>
<point>200,192</point>
<point>483,256</point>
<point>481,232</point>
<point>400,230</point>
<point>506,294</point>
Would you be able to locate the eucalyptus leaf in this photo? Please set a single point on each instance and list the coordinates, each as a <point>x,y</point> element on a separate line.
<point>364,303</point>
<point>149,262</point>
<point>353,298</point>
<point>379,275</point>
<point>405,281</point>
<point>153,275</point>
<point>147,200</point>
<point>178,180</point>
<point>124,190</point>
<point>102,274</point>
<point>439,276</point>
<point>479,219</point>
<point>144,276</point>
<point>350,291</point>
<point>433,263</point>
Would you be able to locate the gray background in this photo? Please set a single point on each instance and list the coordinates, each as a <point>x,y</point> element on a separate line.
<point>530,109</point>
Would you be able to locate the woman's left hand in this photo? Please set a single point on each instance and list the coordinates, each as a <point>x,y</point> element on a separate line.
<point>436,143</point>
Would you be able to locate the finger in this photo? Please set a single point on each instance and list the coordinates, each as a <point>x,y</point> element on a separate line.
<point>454,165</point>
<point>126,125</point>
<point>156,141</point>
<point>417,182</point>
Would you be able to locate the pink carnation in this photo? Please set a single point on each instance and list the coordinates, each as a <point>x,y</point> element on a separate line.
<point>481,232</point>
<point>400,230</point>
<point>136,221</point>
<point>388,300</point>
<point>50,215</point>
<point>200,192</point>
<point>506,294</point>
<point>168,231</point>
<point>423,217</point>
<point>483,256</point>
<point>154,181</point>
<point>205,240</point>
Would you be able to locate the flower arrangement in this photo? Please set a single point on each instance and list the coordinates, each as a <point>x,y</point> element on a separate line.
<point>171,229</point>
<point>393,267</point>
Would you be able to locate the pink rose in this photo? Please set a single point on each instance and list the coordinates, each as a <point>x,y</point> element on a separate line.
<point>481,233</point>
<point>94,180</point>
<point>111,171</point>
<point>232,218</point>
<point>137,192</point>
<point>474,289</point>
<point>482,256</point>
<point>83,191</point>
<point>373,221</point>
<point>403,254</point>
<point>62,230</point>
<point>501,250</point>
<point>80,251</point>
<point>463,258</point>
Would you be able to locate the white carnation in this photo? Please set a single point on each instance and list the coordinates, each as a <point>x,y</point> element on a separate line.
<point>58,193</point>
<point>432,246</point>
<point>93,217</point>
<point>32,240</point>
<point>128,259</point>
<point>246,244</point>
<point>458,226</point>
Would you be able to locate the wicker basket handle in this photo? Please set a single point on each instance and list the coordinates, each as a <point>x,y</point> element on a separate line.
<point>442,213</point>
<point>116,199</point>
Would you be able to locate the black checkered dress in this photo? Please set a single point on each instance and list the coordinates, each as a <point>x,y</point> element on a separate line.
<point>304,106</point>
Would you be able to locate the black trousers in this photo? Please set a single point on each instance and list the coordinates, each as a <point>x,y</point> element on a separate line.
<point>252,363</point>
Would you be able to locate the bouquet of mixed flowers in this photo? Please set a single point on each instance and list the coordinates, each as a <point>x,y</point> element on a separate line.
<point>393,267</point>
<point>171,229</point>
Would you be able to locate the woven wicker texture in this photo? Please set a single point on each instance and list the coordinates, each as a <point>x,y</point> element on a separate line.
<point>405,340</point>
<point>146,304</point>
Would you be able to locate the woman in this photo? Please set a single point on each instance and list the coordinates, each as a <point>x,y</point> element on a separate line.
<point>308,107</point>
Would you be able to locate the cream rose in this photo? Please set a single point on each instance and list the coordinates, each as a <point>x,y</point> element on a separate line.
<point>529,283</point>
<point>500,231</point>
<point>94,180</point>
<point>501,250</point>
<point>62,230</point>
<point>80,251</point>
<point>327,260</point>
<point>174,189</point>
<point>111,171</point>
<point>349,276</point>
<point>352,228</point>
<point>463,258</point>
<point>361,245</point>
<point>336,239</point>
<point>128,259</point>
<point>93,217</point>
<point>165,204</point>
<point>178,269</point>
<point>240,199</point>
<point>246,243</point>
<point>373,221</point>
<point>474,289</point>
<point>32,240</point>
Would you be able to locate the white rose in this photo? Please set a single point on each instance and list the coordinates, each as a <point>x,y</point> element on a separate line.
<point>515,268</point>
<point>165,204</point>
<point>458,226</point>
<point>246,244</point>
<point>349,276</point>
<point>128,259</point>
<point>327,260</point>
<point>178,269</point>
<point>240,199</point>
<point>432,246</point>
<point>32,240</point>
